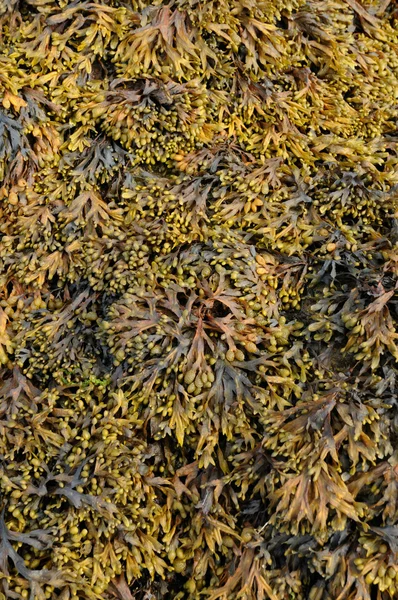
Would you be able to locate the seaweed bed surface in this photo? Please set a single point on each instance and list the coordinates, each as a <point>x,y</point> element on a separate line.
<point>198,300</point>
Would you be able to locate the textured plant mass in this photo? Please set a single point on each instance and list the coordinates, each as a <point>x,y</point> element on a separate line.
<point>198,300</point>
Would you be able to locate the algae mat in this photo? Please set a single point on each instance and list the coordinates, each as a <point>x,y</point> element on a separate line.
<point>198,300</point>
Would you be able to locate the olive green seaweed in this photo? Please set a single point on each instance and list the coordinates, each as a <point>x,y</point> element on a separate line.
<point>198,300</point>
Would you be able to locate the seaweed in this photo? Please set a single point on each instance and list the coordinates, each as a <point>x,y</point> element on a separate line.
<point>198,299</point>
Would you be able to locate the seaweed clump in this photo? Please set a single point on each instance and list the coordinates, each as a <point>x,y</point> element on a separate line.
<point>198,300</point>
